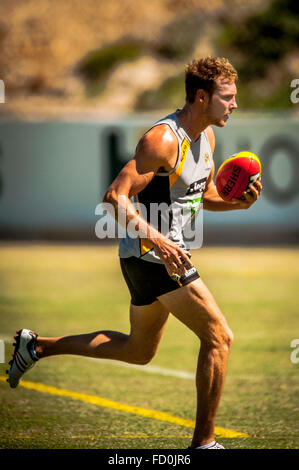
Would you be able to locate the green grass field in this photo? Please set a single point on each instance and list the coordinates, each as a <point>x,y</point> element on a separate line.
<point>69,289</point>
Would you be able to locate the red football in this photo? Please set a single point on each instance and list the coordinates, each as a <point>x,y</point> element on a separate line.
<point>236,174</point>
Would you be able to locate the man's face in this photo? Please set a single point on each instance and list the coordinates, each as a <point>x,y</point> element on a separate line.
<point>222,103</point>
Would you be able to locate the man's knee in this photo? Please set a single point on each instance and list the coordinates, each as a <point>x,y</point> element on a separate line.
<point>219,337</point>
<point>141,355</point>
<point>143,358</point>
<point>228,338</point>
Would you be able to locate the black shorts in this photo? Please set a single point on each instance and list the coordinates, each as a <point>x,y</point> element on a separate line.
<point>147,280</point>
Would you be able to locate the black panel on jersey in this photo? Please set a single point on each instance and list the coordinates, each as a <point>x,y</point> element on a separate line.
<point>157,191</point>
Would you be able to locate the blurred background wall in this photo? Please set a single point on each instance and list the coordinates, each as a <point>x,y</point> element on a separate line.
<point>84,80</point>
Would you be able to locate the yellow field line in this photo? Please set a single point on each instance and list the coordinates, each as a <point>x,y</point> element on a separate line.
<point>104,402</point>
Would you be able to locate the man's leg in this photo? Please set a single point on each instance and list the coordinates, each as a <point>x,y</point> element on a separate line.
<point>147,325</point>
<point>195,306</point>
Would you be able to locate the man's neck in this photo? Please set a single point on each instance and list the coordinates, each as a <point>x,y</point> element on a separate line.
<point>192,121</point>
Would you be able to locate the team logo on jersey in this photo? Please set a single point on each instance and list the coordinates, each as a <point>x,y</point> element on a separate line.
<point>197,187</point>
<point>207,157</point>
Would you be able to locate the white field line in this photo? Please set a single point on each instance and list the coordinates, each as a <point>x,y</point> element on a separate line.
<point>150,369</point>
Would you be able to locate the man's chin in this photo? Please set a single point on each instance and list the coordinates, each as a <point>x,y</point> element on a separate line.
<point>221,123</point>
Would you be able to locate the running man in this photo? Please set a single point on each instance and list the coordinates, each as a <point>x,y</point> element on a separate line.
<point>173,164</point>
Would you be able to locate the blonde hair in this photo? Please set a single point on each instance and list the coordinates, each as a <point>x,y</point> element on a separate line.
<point>202,73</point>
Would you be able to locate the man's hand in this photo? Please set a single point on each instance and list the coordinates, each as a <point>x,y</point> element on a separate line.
<point>172,255</point>
<point>249,198</point>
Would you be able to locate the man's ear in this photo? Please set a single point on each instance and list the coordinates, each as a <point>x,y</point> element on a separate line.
<point>201,96</point>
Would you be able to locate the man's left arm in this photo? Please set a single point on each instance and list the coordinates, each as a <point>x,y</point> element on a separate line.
<point>211,199</point>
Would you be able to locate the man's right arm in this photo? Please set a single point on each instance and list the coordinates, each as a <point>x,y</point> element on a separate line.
<point>157,149</point>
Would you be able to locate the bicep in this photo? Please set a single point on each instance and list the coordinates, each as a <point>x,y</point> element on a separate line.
<point>132,179</point>
<point>153,151</point>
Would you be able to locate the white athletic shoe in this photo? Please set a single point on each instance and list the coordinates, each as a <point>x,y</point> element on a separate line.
<point>216,446</point>
<point>24,356</point>
<point>211,445</point>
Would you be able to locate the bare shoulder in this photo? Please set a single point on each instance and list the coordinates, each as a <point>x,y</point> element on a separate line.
<point>211,137</point>
<point>159,146</point>
<point>156,151</point>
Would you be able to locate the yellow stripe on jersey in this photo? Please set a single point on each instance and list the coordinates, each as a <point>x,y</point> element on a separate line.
<point>145,246</point>
<point>175,176</point>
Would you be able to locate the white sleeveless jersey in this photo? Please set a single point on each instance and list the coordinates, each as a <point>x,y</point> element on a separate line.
<point>178,194</point>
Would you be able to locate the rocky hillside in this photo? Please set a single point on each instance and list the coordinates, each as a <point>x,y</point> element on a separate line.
<point>110,56</point>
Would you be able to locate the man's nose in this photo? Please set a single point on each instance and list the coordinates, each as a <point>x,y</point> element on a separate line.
<point>233,104</point>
